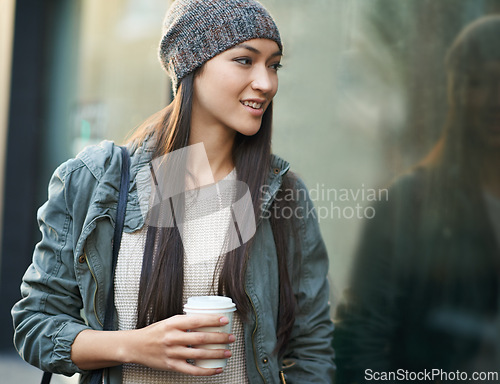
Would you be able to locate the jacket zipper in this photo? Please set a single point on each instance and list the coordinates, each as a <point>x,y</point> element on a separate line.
<point>253,337</point>
<point>282,377</point>
<point>95,291</point>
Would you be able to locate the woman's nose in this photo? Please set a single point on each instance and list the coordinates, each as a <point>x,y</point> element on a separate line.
<point>262,80</point>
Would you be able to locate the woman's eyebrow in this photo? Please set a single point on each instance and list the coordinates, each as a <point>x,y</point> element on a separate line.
<point>255,50</point>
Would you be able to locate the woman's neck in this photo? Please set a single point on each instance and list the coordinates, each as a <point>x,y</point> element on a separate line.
<point>219,148</point>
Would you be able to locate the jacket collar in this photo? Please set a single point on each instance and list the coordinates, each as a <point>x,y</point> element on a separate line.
<point>278,169</point>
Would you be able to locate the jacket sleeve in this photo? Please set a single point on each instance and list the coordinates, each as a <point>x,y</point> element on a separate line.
<point>47,319</point>
<point>309,354</point>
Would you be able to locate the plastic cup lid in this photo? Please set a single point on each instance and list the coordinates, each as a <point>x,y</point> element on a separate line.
<point>210,302</point>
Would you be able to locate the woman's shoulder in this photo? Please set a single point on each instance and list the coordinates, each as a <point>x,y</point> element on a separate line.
<point>99,159</point>
<point>102,161</point>
<point>95,166</point>
<point>96,159</point>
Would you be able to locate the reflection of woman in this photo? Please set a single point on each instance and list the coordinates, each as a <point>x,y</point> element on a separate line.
<point>223,58</point>
<point>425,285</point>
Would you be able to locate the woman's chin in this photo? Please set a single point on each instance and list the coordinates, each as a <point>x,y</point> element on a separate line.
<point>249,131</point>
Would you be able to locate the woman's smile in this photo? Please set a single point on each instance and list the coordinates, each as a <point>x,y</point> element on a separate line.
<point>254,106</point>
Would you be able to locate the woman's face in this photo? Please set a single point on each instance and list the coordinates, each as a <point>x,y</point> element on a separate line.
<point>482,103</point>
<point>233,90</point>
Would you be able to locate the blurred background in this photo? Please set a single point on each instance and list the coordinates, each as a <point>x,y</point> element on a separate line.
<point>362,97</point>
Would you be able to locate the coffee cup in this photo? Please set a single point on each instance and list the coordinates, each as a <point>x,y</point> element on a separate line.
<point>218,305</point>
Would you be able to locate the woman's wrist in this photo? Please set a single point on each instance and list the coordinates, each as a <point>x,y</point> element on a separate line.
<point>100,349</point>
<point>126,346</point>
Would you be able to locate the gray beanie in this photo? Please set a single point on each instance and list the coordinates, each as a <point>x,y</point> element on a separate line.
<point>194,31</point>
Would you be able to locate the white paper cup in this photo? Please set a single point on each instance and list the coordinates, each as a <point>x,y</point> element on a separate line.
<point>218,305</point>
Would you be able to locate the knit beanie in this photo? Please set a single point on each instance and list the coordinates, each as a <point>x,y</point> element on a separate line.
<point>194,31</point>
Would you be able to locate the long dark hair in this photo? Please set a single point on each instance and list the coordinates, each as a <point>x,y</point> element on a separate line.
<point>163,261</point>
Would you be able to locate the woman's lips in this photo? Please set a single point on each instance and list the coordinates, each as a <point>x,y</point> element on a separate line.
<point>253,107</point>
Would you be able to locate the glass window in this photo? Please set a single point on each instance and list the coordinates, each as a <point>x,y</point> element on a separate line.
<point>120,81</point>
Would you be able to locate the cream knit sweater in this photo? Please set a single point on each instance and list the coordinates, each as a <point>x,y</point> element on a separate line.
<point>203,240</point>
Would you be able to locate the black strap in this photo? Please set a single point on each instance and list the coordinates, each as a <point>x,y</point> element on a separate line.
<point>46,377</point>
<point>117,238</point>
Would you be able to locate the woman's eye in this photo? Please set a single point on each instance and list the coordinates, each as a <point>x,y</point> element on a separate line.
<point>276,66</point>
<point>243,60</point>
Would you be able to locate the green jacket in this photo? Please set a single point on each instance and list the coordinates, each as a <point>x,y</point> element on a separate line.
<point>64,289</point>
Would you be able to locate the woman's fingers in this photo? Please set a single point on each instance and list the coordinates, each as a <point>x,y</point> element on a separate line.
<point>201,338</point>
<point>184,367</point>
<point>186,353</point>
<point>178,327</point>
<point>185,322</point>
<point>184,338</point>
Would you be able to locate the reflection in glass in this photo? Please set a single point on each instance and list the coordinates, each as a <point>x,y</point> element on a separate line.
<point>424,293</point>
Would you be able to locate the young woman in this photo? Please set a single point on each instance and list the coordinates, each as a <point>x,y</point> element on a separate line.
<point>424,293</point>
<point>223,57</point>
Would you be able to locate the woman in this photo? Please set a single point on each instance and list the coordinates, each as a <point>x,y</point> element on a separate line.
<point>223,58</point>
<point>424,291</point>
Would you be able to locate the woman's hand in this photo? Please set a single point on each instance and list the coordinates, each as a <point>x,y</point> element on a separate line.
<point>163,345</point>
